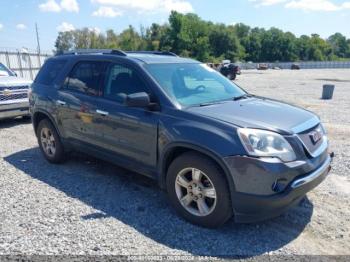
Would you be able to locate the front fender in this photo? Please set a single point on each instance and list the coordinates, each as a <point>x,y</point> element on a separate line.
<point>213,136</point>
<point>213,139</point>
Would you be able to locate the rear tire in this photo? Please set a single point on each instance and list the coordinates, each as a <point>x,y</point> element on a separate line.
<point>49,142</point>
<point>198,190</point>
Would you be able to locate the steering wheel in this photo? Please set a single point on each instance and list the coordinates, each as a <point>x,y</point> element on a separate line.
<point>200,88</point>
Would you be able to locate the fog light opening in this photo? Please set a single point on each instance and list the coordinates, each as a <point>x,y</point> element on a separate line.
<point>279,185</point>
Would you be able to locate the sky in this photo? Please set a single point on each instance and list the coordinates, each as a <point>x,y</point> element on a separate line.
<point>18,17</point>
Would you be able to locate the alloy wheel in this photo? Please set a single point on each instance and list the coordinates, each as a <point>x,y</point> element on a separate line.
<point>195,191</point>
<point>48,142</point>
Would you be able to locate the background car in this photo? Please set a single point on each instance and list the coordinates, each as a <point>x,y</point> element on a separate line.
<point>13,94</point>
<point>230,70</point>
<point>295,67</point>
<point>263,66</point>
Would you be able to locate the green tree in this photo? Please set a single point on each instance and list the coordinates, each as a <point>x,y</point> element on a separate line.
<point>319,49</point>
<point>339,44</point>
<point>303,43</point>
<point>224,43</point>
<point>155,36</point>
<point>111,39</point>
<point>129,39</point>
<point>64,41</point>
<point>242,31</point>
<point>189,35</point>
<point>252,44</point>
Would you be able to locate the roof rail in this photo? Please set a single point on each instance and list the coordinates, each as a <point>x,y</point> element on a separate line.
<point>168,53</point>
<point>114,52</point>
<point>95,51</point>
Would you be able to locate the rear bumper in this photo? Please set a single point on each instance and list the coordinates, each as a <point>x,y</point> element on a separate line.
<point>252,208</point>
<point>14,108</point>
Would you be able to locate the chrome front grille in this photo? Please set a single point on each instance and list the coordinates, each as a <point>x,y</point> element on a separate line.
<point>13,93</point>
<point>13,97</point>
<point>13,88</point>
<point>308,138</point>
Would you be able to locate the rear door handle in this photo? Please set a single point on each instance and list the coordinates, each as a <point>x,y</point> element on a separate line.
<point>60,102</point>
<point>103,113</point>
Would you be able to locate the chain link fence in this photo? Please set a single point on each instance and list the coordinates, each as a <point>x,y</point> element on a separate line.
<point>27,63</point>
<point>302,65</point>
<point>24,63</point>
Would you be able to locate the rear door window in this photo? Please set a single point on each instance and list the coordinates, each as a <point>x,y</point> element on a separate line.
<point>86,77</point>
<point>49,72</point>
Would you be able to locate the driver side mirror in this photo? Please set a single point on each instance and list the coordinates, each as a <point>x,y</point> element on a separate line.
<point>137,100</point>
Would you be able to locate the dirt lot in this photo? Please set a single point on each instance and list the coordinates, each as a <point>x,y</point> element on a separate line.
<point>87,206</point>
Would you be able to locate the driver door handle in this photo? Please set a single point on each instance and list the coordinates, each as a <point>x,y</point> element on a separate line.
<point>60,102</point>
<point>103,113</point>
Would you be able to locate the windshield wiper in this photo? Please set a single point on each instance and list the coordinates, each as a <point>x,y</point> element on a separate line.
<point>209,103</point>
<point>236,98</point>
<point>224,101</point>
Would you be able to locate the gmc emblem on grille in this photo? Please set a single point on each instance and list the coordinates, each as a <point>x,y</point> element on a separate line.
<point>315,136</point>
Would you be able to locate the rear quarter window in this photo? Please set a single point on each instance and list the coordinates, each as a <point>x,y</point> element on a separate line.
<point>49,71</point>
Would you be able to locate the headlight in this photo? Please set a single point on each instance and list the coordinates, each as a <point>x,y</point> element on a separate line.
<point>266,144</point>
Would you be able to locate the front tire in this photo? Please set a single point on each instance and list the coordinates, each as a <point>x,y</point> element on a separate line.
<point>198,191</point>
<point>49,142</point>
<point>231,76</point>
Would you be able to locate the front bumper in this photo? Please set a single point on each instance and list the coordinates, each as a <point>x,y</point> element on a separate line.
<point>14,108</point>
<point>252,207</point>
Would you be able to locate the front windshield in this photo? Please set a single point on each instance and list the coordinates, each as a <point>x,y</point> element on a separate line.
<point>4,71</point>
<point>193,84</point>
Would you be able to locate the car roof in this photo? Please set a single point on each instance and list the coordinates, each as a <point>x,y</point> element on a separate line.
<point>160,59</point>
<point>147,57</point>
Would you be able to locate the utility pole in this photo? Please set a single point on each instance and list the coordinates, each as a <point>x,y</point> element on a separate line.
<point>37,37</point>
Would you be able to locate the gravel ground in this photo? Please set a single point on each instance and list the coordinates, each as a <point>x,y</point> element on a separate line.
<point>87,206</point>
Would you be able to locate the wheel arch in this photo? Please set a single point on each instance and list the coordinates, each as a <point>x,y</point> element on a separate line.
<point>40,115</point>
<point>176,149</point>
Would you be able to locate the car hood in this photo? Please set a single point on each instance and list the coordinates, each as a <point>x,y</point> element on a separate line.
<point>6,81</point>
<point>260,113</point>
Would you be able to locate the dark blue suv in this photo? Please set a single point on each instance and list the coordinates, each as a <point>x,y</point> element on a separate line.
<point>217,150</point>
